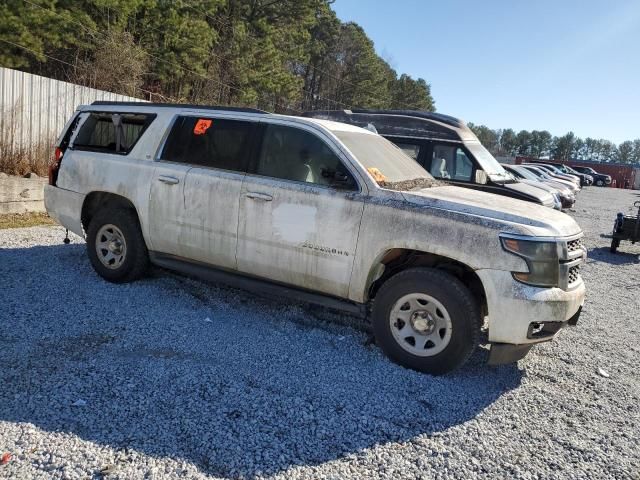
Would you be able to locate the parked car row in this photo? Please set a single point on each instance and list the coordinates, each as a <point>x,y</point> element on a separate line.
<point>444,146</point>
<point>533,175</point>
<point>327,212</point>
<point>450,151</point>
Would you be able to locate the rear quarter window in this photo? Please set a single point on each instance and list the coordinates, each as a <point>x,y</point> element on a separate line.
<point>112,132</point>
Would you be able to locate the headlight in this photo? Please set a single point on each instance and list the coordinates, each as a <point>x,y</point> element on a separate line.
<point>542,260</point>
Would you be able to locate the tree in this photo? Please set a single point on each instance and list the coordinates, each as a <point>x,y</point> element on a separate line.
<point>282,55</point>
<point>540,143</point>
<point>563,146</point>
<point>508,141</point>
<point>523,143</point>
<point>636,151</point>
<point>407,93</point>
<point>606,151</point>
<point>489,138</point>
<point>589,149</point>
<point>625,152</point>
<point>118,65</point>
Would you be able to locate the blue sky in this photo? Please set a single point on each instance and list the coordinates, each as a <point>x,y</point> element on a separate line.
<point>554,65</point>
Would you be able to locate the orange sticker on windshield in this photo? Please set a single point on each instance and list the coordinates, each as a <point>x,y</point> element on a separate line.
<point>377,175</point>
<point>202,125</point>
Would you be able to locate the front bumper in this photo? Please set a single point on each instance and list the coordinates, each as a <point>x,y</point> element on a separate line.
<point>567,201</point>
<point>502,353</point>
<point>518,312</point>
<point>65,207</point>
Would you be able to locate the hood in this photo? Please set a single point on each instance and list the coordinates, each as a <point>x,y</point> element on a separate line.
<point>544,198</point>
<point>532,219</point>
<point>540,185</point>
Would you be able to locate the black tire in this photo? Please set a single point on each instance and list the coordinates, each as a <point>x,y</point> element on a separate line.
<point>454,296</point>
<point>615,243</point>
<point>136,259</point>
<point>600,183</point>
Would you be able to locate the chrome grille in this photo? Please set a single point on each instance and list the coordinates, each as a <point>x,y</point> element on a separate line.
<point>573,254</point>
<point>574,245</point>
<point>574,274</point>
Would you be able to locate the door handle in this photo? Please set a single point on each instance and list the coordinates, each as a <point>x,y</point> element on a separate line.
<point>168,180</point>
<point>259,196</point>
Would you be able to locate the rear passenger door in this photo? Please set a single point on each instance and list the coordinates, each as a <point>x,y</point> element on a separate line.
<point>214,153</point>
<point>300,212</point>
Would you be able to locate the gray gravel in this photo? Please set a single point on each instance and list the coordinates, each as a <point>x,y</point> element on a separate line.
<point>171,377</point>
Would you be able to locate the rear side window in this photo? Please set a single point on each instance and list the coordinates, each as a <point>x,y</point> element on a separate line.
<point>410,149</point>
<point>112,132</point>
<point>209,142</point>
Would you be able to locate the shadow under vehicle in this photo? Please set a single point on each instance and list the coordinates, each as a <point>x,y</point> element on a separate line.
<point>445,146</point>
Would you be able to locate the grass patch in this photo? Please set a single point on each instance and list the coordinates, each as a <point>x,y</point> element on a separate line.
<point>21,220</point>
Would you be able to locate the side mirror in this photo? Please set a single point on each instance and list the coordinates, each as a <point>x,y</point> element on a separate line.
<point>481,177</point>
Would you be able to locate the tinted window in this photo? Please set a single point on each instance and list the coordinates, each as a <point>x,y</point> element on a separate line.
<point>410,149</point>
<point>111,132</point>
<point>451,162</point>
<point>293,154</point>
<point>209,142</point>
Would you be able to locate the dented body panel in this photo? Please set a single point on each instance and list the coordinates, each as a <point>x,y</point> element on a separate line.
<point>315,237</point>
<point>65,207</point>
<point>513,306</point>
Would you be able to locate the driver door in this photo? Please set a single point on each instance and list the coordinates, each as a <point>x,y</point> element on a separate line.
<point>300,213</point>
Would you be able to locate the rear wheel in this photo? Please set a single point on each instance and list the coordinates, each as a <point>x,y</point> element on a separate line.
<point>426,320</point>
<point>615,243</point>
<point>115,245</point>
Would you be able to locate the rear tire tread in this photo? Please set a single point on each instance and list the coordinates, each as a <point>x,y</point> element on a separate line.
<point>137,261</point>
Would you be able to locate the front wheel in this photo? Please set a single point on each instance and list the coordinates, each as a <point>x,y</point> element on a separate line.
<point>600,183</point>
<point>426,320</point>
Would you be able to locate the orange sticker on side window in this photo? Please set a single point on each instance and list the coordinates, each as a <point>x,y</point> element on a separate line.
<point>202,125</point>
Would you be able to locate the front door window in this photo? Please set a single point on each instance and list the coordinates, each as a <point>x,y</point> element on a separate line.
<point>451,162</point>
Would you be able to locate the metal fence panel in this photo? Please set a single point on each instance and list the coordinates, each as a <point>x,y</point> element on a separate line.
<point>34,109</point>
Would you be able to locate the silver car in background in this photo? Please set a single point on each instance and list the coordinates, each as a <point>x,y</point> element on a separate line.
<point>548,177</point>
<point>565,195</point>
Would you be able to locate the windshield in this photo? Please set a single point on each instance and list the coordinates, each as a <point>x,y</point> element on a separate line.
<point>553,169</point>
<point>525,173</point>
<point>389,166</point>
<point>537,172</point>
<point>487,161</point>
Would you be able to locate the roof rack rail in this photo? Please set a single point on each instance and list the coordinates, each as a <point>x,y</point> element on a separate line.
<point>179,105</point>
<point>438,117</point>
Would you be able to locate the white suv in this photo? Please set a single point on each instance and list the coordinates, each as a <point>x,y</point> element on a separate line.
<point>320,211</point>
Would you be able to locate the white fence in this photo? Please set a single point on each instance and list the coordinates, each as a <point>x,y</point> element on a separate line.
<point>34,109</point>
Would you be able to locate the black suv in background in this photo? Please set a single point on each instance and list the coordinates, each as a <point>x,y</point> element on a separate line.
<point>599,179</point>
<point>445,147</point>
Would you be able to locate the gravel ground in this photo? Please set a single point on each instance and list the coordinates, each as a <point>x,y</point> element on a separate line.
<point>171,377</point>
